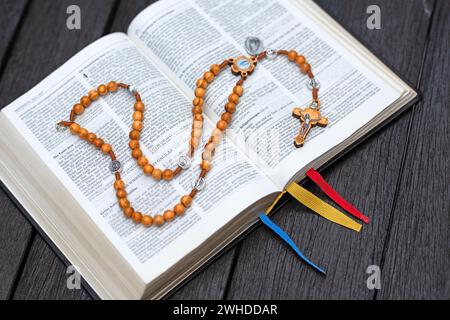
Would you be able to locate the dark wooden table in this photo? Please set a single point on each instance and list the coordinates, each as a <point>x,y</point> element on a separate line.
<point>399,177</point>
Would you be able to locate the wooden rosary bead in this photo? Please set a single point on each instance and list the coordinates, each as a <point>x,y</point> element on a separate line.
<point>209,76</point>
<point>169,215</point>
<point>78,109</point>
<point>157,174</point>
<point>292,55</point>
<point>137,125</point>
<point>93,95</point>
<point>230,107</point>
<point>210,146</point>
<point>136,153</point>
<point>102,90</point>
<point>148,169</point>
<point>83,133</point>
<point>138,116</point>
<point>137,217</point>
<point>133,144</point>
<point>305,67</point>
<point>215,69</point>
<point>158,220</point>
<point>147,221</point>
<point>197,110</point>
<point>239,90</point>
<point>201,83</point>
<point>300,60</point>
<point>186,201</point>
<point>179,209</point>
<point>139,106</point>
<point>124,203</point>
<point>222,125</point>
<point>198,117</point>
<point>216,139</point>
<point>91,137</point>
<point>216,133</point>
<point>200,92</point>
<point>167,175</point>
<point>112,86</point>
<point>207,155</point>
<point>197,133</point>
<point>85,101</point>
<point>142,161</point>
<point>121,193</point>
<point>206,165</point>
<point>106,148</point>
<point>128,212</point>
<point>119,184</point>
<point>226,116</point>
<point>194,142</point>
<point>75,128</point>
<point>98,143</point>
<point>135,134</point>
<point>233,98</point>
<point>197,101</point>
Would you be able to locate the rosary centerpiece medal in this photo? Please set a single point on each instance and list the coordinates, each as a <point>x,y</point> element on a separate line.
<point>244,65</point>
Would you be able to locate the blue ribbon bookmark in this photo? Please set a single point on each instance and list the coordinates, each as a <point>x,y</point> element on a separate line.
<point>284,236</point>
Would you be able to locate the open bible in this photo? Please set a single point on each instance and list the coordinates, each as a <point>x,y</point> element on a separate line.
<point>66,186</point>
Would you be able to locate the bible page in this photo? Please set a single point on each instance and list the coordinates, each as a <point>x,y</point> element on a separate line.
<point>186,37</point>
<point>232,186</point>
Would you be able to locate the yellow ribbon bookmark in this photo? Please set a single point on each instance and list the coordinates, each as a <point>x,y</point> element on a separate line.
<point>320,207</point>
<point>317,205</point>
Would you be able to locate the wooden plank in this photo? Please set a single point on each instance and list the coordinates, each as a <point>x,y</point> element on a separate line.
<point>367,178</point>
<point>126,12</point>
<point>14,232</point>
<point>43,44</point>
<point>418,252</point>
<point>46,277</point>
<point>210,283</point>
<point>10,16</point>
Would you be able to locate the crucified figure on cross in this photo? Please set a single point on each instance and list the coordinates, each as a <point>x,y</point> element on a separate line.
<point>309,117</point>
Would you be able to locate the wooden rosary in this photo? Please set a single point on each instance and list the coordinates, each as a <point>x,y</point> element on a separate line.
<point>241,66</point>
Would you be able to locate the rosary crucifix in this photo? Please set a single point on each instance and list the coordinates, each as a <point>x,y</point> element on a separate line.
<point>309,117</point>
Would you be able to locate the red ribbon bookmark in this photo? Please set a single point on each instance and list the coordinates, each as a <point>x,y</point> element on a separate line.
<point>336,197</point>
